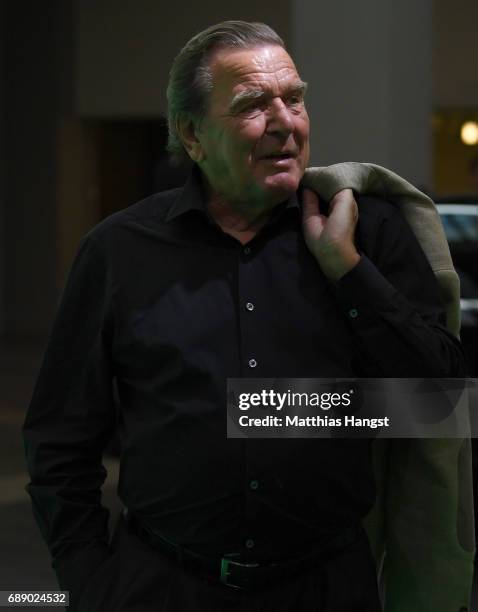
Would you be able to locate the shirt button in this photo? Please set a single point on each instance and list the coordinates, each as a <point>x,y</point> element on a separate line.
<point>252,363</point>
<point>353,313</point>
<point>250,543</point>
<point>254,484</point>
<point>247,250</point>
<point>250,306</point>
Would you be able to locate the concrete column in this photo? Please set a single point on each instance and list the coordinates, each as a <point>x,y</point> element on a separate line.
<point>368,65</point>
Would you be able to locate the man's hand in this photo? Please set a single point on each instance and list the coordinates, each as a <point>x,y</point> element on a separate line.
<point>331,239</point>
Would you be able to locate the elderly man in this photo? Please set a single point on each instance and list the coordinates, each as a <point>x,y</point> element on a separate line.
<point>238,274</point>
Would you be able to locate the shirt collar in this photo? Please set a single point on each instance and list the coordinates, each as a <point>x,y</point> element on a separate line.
<point>192,197</point>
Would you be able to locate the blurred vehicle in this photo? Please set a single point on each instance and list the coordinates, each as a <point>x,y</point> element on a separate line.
<point>460,222</point>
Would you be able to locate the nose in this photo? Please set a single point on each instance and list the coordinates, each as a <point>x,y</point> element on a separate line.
<point>280,118</point>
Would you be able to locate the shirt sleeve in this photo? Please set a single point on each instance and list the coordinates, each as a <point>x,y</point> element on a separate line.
<point>392,301</point>
<point>69,422</point>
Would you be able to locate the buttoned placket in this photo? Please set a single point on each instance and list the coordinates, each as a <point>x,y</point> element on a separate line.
<point>250,321</point>
<point>247,313</point>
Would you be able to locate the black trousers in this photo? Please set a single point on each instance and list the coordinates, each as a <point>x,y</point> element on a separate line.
<point>137,578</point>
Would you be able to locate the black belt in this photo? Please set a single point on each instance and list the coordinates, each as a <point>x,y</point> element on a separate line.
<point>237,574</point>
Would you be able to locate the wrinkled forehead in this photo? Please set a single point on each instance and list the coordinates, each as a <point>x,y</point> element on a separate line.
<point>269,68</point>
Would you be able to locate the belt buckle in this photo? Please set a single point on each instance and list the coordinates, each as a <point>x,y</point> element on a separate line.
<point>225,565</point>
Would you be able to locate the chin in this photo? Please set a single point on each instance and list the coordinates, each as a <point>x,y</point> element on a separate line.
<point>282,184</point>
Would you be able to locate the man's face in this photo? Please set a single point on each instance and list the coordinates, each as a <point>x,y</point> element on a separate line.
<point>254,139</point>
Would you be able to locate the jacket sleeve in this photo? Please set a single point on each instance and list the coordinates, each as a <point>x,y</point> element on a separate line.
<point>69,422</point>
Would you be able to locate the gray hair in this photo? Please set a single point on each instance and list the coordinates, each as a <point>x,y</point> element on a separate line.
<point>190,78</point>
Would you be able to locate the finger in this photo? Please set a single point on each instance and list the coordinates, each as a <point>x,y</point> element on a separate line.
<point>312,221</point>
<point>342,218</point>
<point>310,203</point>
<point>341,208</point>
<point>344,206</point>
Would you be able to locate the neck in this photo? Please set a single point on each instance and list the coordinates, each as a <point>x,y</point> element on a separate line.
<point>236,215</point>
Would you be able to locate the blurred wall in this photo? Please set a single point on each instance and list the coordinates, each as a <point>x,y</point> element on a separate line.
<point>455,53</point>
<point>126,73</point>
<point>369,68</point>
<point>36,53</point>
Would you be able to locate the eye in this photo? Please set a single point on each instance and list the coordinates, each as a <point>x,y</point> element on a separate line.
<point>254,105</point>
<point>295,99</point>
<point>250,110</point>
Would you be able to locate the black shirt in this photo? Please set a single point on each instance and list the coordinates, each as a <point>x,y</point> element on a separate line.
<point>165,303</point>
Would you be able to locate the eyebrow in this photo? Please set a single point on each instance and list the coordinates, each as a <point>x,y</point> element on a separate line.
<point>300,87</point>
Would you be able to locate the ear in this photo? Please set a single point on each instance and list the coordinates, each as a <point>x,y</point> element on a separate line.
<point>188,134</point>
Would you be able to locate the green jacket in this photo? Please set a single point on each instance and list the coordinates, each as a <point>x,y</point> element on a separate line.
<point>421,528</point>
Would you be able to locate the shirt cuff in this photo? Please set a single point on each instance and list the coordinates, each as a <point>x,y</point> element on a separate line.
<point>363,293</point>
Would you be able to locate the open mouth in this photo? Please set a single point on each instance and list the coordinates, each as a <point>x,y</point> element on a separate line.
<point>279,157</point>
